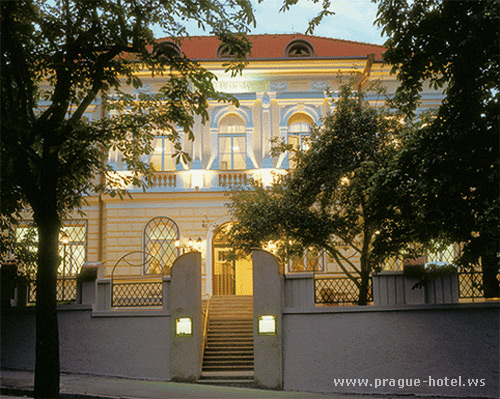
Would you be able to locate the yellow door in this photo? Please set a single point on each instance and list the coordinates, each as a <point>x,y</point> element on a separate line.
<point>244,276</point>
<point>229,276</point>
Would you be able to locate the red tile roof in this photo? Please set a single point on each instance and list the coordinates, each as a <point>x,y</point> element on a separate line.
<point>273,46</point>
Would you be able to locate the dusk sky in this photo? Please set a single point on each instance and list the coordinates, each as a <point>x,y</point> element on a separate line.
<point>353,20</point>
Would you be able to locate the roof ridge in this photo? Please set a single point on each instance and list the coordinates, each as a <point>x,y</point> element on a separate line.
<point>283,34</point>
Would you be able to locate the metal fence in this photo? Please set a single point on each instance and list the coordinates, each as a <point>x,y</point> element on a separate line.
<point>338,291</point>
<point>66,290</point>
<point>137,294</point>
<point>470,285</point>
<point>343,291</point>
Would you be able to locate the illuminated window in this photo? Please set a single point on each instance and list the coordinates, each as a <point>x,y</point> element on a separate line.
<point>162,156</point>
<point>312,261</point>
<point>160,236</point>
<point>232,143</point>
<point>299,48</point>
<point>299,131</point>
<point>72,246</point>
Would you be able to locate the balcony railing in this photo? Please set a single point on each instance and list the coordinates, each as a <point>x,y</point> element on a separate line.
<point>164,180</point>
<point>232,179</point>
<point>207,180</point>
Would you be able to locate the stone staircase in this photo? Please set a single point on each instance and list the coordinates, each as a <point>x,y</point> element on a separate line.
<point>228,355</point>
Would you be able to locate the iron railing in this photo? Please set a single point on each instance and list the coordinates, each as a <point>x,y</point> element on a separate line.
<point>342,290</point>
<point>137,294</point>
<point>66,290</point>
<point>470,285</point>
<point>338,291</point>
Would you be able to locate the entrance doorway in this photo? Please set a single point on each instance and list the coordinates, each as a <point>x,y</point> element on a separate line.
<point>230,276</point>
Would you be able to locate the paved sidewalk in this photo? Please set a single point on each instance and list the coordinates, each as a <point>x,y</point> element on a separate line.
<point>16,384</point>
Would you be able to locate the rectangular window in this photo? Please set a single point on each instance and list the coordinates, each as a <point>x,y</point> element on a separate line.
<point>232,152</point>
<point>162,157</point>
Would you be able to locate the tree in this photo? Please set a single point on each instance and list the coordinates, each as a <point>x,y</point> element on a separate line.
<point>68,54</point>
<point>449,166</point>
<point>329,201</point>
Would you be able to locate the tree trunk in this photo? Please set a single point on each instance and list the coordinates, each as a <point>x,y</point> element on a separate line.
<point>47,333</point>
<point>364,289</point>
<point>490,271</point>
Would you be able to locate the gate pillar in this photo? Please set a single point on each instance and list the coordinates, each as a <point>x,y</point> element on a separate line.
<point>185,320</point>
<point>268,301</point>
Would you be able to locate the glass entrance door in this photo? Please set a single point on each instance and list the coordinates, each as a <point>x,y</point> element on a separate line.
<point>230,276</point>
<point>224,272</point>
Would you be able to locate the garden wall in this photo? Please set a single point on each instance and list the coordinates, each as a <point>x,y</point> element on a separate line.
<point>322,346</point>
<point>120,343</point>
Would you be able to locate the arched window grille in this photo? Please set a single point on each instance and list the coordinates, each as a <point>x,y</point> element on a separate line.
<point>299,48</point>
<point>160,236</point>
<point>167,49</point>
<point>232,143</point>
<point>224,52</point>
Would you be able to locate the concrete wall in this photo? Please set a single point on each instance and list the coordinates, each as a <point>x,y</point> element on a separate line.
<point>120,343</point>
<point>437,341</point>
<point>268,300</point>
<point>185,302</point>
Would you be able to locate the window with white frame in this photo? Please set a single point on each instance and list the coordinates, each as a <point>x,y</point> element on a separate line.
<point>160,236</point>
<point>232,143</point>
<point>299,131</point>
<point>162,157</point>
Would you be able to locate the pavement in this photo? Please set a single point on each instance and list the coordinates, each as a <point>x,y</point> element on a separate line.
<point>19,384</point>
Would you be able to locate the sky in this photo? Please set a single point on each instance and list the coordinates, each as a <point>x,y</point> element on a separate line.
<point>353,20</point>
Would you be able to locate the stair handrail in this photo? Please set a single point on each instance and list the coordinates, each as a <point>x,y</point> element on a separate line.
<point>205,332</point>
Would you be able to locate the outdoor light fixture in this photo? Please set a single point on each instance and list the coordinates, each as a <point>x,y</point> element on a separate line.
<point>198,244</point>
<point>184,327</point>
<point>266,325</point>
<point>189,245</point>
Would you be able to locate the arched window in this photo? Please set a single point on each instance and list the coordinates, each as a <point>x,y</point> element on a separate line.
<point>299,130</point>
<point>161,158</point>
<point>232,143</point>
<point>224,52</point>
<point>167,49</point>
<point>299,48</point>
<point>160,236</point>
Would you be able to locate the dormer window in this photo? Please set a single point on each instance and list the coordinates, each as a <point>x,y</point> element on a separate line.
<point>224,52</point>
<point>299,48</point>
<point>167,49</point>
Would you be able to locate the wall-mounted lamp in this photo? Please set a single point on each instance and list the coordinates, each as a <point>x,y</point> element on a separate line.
<point>190,245</point>
<point>184,327</point>
<point>266,325</point>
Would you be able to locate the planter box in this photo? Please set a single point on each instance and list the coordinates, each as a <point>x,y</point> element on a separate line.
<point>395,288</point>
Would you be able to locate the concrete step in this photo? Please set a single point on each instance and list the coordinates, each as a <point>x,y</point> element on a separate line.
<point>225,367</point>
<point>229,342</point>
